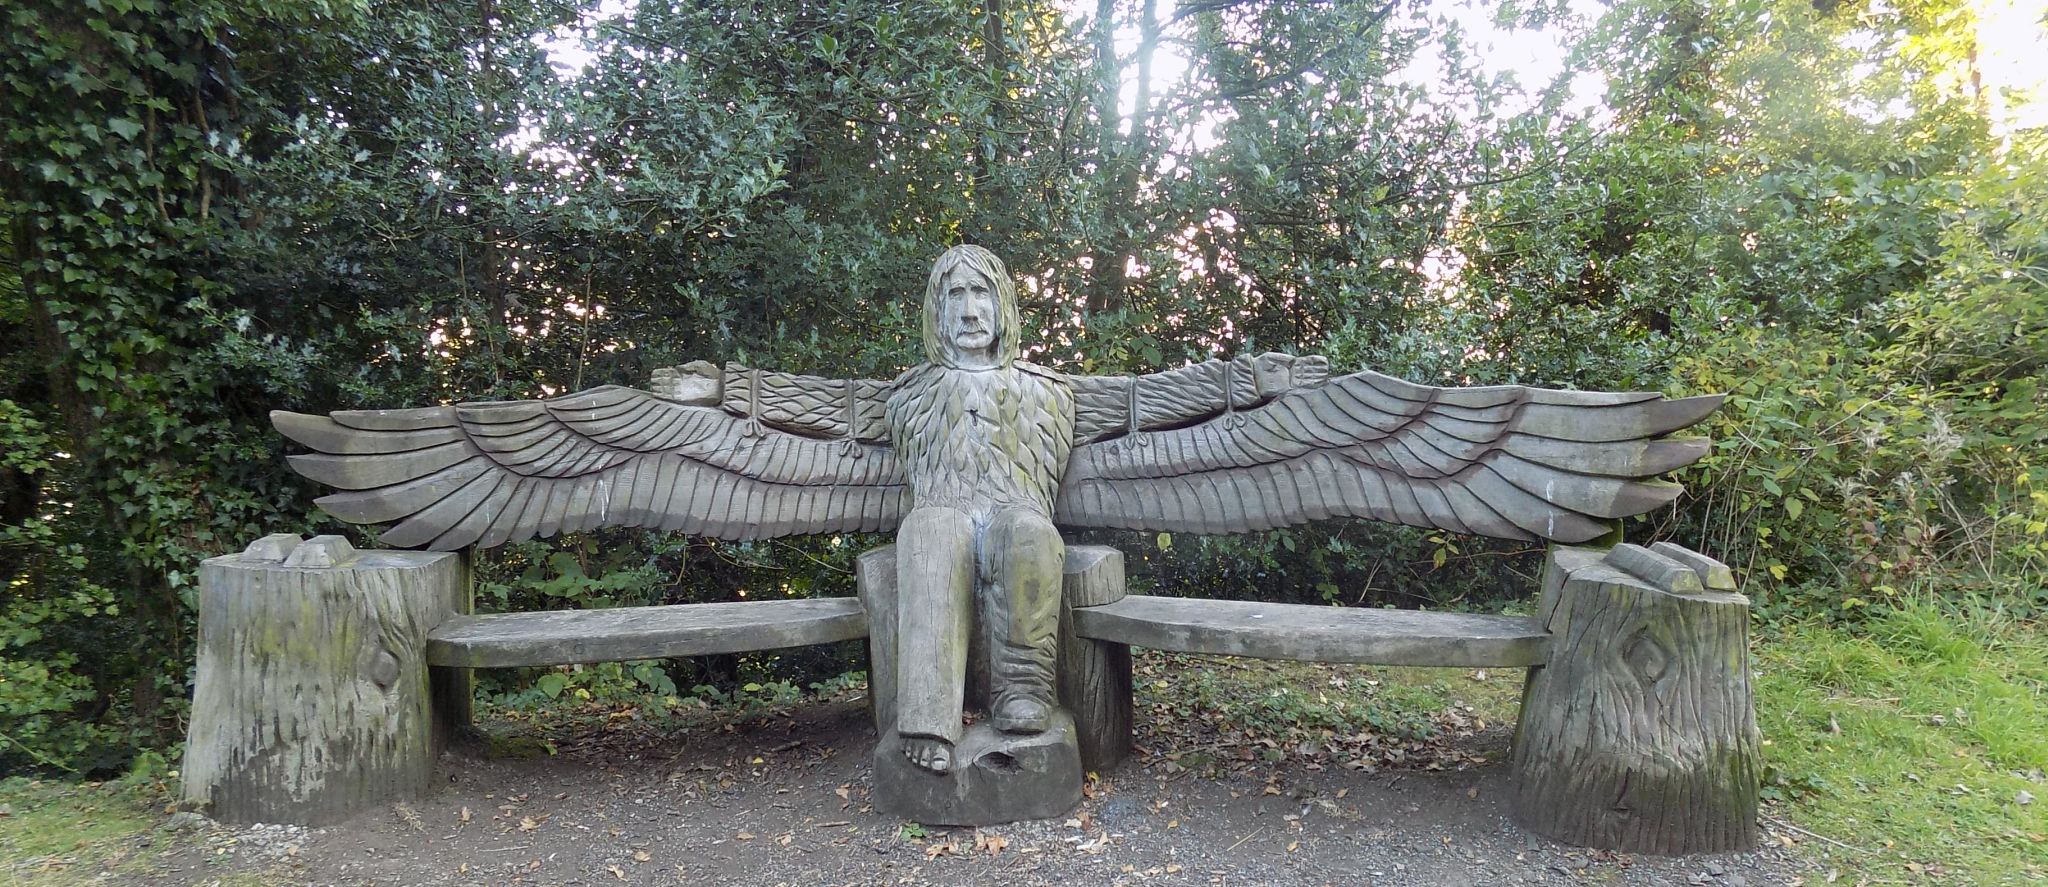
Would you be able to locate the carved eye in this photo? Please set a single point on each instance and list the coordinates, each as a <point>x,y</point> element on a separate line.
<point>1647,657</point>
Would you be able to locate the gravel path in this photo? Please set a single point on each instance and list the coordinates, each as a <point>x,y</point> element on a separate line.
<point>782,801</point>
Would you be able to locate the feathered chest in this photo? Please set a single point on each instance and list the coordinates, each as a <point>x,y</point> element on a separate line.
<point>975,440</point>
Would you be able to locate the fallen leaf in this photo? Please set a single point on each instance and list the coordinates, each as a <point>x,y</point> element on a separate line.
<point>744,836</point>
<point>464,815</point>
<point>1173,868</point>
<point>1293,846</point>
<point>527,824</point>
<point>617,872</point>
<point>642,856</point>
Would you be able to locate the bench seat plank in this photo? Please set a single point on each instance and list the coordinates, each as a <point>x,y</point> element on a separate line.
<point>564,637</point>
<point>1318,634</point>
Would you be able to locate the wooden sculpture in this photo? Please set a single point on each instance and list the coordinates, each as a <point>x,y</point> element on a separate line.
<point>976,458</point>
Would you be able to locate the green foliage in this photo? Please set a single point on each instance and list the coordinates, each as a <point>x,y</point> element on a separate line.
<point>214,209</point>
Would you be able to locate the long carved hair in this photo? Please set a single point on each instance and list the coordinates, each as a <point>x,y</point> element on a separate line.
<point>1008,335</point>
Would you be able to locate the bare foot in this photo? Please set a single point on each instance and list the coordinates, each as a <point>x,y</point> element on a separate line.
<point>928,752</point>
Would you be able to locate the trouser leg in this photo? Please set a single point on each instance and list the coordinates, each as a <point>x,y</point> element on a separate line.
<point>1021,557</point>
<point>934,588</point>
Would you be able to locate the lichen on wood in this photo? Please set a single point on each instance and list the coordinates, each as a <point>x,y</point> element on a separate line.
<point>313,697</point>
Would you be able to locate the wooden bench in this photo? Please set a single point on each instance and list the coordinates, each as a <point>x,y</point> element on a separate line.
<point>1636,730</point>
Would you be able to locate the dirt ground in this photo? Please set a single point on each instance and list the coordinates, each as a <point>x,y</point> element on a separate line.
<point>782,800</point>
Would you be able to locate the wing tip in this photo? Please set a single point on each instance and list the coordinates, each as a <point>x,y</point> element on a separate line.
<point>1681,412</point>
<point>304,428</point>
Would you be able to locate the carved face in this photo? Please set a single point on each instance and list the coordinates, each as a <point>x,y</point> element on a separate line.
<point>970,311</point>
<point>967,316</point>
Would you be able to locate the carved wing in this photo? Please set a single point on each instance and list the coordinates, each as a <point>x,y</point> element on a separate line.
<point>1505,461</point>
<point>485,474</point>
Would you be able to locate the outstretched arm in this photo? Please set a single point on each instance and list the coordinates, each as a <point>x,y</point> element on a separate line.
<point>812,406</point>
<point>1112,406</point>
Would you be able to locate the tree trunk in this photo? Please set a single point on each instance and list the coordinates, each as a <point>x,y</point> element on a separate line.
<point>1638,734</point>
<point>313,698</point>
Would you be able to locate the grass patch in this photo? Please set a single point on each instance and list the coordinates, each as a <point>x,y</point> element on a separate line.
<point>1912,740</point>
<point>61,833</point>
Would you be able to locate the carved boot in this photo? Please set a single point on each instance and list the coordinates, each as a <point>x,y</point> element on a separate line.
<point>1023,698</point>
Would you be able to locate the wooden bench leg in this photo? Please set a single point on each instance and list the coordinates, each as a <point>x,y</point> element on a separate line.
<point>1639,733</point>
<point>1095,676</point>
<point>313,699</point>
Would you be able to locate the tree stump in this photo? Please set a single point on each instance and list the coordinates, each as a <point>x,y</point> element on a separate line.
<point>1638,734</point>
<point>313,698</point>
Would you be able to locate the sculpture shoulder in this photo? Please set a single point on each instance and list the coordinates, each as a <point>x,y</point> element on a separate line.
<point>910,385</point>
<point>1046,373</point>
<point>912,379</point>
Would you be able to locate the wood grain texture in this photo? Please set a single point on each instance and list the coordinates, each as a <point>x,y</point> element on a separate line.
<point>1177,397</point>
<point>1097,691</point>
<point>312,695</point>
<point>995,778</point>
<point>1639,733</point>
<point>563,637</point>
<point>1506,461</point>
<point>1225,446</point>
<point>483,474</point>
<point>1094,676</point>
<point>1316,634</point>
<point>813,406</point>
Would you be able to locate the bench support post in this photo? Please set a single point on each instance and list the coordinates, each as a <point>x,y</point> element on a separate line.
<point>1095,676</point>
<point>313,699</point>
<point>1639,734</point>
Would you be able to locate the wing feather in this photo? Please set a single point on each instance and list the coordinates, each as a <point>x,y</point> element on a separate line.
<point>506,524</point>
<point>422,527</point>
<point>486,473</point>
<point>1503,460</point>
<point>403,500</point>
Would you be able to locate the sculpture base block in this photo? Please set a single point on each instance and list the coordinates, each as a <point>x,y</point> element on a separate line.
<point>996,777</point>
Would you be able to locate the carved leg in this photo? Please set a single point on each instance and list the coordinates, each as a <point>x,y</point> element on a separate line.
<point>1021,556</point>
<point>934,588</point>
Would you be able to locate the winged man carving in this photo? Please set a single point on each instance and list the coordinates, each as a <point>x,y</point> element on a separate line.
<point>977,459</point>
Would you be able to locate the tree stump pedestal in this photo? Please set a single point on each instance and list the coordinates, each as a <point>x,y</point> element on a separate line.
<point>313,698</point>
<point>1638,734</point>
